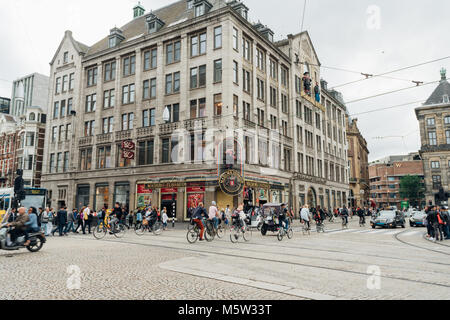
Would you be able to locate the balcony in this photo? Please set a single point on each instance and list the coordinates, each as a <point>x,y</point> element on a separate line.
<point>313,101</point>
<point>145,132</point>
<point>123,135</point>
<point>353,180</point>
<point>195,124</point>
<point>249,124</point>
<point>287,140</point>
<point>167,128</point>
<point>86,141</point>
<point>102,138</point>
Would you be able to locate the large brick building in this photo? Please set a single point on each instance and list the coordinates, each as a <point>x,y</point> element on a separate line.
<point>434,122</point>
<point>385,178</point>
<point>189,103</point>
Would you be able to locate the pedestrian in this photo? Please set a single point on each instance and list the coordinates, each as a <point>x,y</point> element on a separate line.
<point>214,214</point>
<point>440,225</point>
<point>61,217</point>
<point>165,218</point>
<point>85,216</point>
<point>138,218</point>
<point>44,221</point>
<point>131,217</point>
<point>70,222</point>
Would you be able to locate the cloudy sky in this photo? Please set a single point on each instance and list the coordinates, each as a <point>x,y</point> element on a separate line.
<point>373,37</point>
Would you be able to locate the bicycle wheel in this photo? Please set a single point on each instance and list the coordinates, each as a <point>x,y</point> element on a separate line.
<point>220,232</point>
<point>290,233</point>
<point>235,233</point>
<point>140,231</point>
<point>192,236</point>
<point>119,231</point>
<point>247,234</point>
<point>157,228</point>
<point>209,231</point>
<point>280,234</point>
<point>99,232</point>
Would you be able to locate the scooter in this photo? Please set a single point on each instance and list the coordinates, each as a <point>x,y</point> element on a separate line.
<point>269,224</point>
<point>37,240</point>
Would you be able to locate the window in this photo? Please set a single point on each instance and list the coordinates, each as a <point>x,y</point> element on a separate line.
<point>89,128</point>
<point>447,136</point>
<point>284,103</point>
<point>150,59</point>
<point>447,120</point>
<point>298,109</point>
<point>92,76</point>
<point>218,37</point>
<point>235,72</point>
<point>198,108</point>
<point>284,128</point>
<point>235,105</point>
<point>174,111</point>
<point>66,162</point>
<point>59,162</point>
<point>261,87</point>
<point>32,116</point>
<point>173,52</point>
<point>110,71</point>
<point>218,104</point>
<point>318,126</point>
<point>104,157</point>
<point>62,133</point>
<point>91,102</point>
<point>129,66</point>
<point>247,81</point>
<point>436,182</point>
<point>66,57</point>
<point>284,77</point>
<point>261,118</point>
<point>52,163</point>
<point>109,98</point>
<point>54,133</point>
<point>287,160</point>
<point>263,152</point>
<point>68,131</point>
<point>169,150</point>
<point>435,164</point>
<point>85,159</point>
<point>235,39</point>
<point>298,85</point>
<point>246,50</point>
<point>199,10</point>
<point>308,116</point>
<point>127,121</point>
<point>432,140</point>
<point>145,152</point>
<point>148,118</point>
<point>198,77</point>
<point>301,165</point>
<point>121,162</point>
<point>58,86</point>
<point>299,134</point>
<point>198,44</point>
<point>246,113</point>
<point>273,97</point>
<point>64,83</point>
<point>273,69</point>
<point>128,94</point>
<point>71,81</point>
<point>260,59</point>
<point>431,122</point>
<point>173,83</point>
<point>218,70</point>
<point>108,124</point>
<point>273,122</point>
<point>56,110</point>
<point>29,139</point>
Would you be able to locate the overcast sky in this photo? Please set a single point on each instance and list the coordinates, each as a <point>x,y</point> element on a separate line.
<point>347,34</point>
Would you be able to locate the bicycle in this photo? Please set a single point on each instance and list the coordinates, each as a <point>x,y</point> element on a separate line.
<point>344,223</point>
<point>236,230</point>
<point>156,228</point>
<point>320,227</point>
<point>118,231</point>
<point>305,228</point>
<point>283,232</point>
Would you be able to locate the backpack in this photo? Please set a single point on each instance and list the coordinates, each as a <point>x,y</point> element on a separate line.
<point>44,217</point>
<point>439,219</point>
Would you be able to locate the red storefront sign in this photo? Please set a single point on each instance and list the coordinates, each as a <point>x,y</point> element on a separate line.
<point>141,188</point>
<point>195,189</point>
<point>169,190</point>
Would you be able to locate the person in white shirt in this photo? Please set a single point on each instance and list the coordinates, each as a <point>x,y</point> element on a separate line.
<point>304,215</point>
<point>165,218</point>
<point>214,214</point>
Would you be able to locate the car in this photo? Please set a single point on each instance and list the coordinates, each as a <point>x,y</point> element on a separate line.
<point>417,218</point>
<point>388,219</point>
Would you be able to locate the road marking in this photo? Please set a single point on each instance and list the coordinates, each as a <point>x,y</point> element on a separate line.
<point>393,232</point>
<point>411,233</point>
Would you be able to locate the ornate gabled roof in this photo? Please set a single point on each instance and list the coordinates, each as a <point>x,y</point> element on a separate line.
<point>442,90</point>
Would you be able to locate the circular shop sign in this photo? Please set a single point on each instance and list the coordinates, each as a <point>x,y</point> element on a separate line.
<point>231,182</point>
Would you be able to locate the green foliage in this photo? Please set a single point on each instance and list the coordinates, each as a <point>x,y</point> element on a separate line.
<point>412,188</point>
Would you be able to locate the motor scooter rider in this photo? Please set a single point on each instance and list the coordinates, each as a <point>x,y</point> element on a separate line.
<point>282,217</point>
<point>19,226</point>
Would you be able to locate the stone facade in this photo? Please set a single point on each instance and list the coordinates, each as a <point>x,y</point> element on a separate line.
<point>251,93</point>
<point>359,167</point>
<point>434,122</point>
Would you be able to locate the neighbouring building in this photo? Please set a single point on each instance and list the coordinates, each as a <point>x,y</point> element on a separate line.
<point>434,122</point>
<point>8,146</point>
<point>27,92</point>
<point>358,155</point>
<point>4,105</point>
<point>385,176</point>
<point>192,103</point>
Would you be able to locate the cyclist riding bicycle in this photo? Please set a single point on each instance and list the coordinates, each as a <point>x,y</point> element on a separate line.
<point>360,213</point>
<point>151,216</point>
<point>344,214</point>
<point>283,217</point>
<point>304,215</point>
<point>115,216</point>
<point>319,216</point>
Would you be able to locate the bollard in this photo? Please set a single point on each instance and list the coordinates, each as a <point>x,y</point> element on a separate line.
<point>173,222</point>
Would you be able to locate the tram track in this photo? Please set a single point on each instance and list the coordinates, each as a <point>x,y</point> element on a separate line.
<point>396,236</point>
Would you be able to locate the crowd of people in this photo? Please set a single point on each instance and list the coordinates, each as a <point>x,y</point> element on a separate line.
<point>437,223</point>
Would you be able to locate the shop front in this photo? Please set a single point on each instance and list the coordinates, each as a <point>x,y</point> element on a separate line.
<point>168,201</point>
<point>101,198</point>
<point>144,195</point>
<point>194,196</point>
<point>256,193</point>
<point>122,194</point>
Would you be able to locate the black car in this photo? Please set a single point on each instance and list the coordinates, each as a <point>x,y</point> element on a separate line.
<point>389,219</point>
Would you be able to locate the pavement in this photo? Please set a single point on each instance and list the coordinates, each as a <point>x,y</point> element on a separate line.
<point>355,263</point>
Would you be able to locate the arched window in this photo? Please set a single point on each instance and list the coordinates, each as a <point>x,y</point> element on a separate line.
<point>32,116</point>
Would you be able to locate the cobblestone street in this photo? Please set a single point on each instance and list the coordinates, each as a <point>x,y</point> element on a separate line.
<point>333,265</point>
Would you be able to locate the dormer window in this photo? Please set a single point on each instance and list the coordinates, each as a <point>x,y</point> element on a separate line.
<point>445,99</point>
<point>115,37</point>
<point>154,24</point>
<point>240,8</point>
<point>190,4</point>
<point>202,7</point>
<point>66,57</point>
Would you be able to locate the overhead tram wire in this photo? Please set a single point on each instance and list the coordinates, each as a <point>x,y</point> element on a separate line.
<point>386,73</point>
<point>387,108</point>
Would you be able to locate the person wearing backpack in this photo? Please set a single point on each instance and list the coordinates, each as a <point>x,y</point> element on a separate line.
<point>44,221</point>
<point>440,226</point>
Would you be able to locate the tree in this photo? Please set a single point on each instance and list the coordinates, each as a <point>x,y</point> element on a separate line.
<point>412,188</point>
